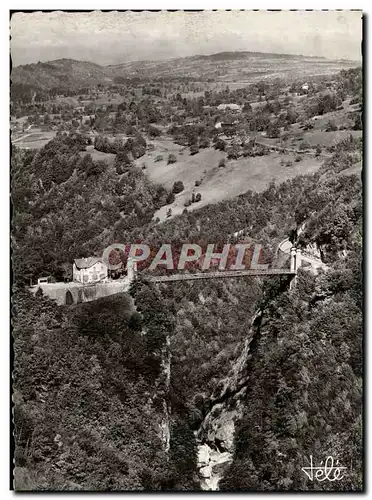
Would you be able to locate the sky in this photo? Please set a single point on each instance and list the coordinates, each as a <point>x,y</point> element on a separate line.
<point>117,37</point>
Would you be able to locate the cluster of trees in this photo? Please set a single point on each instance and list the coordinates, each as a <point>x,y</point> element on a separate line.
<point>323,104</point>
<point>88,410</point>
<point>206,323</point>
<point>67,205</point>
<point>196,136</point>
<point>195,198</point>
<point>304,392</point>
<point>136,146</point>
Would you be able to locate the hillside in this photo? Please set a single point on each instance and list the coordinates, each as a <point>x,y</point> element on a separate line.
<point>63,73</point>
<point>224,66</point>
<point>228,384</point>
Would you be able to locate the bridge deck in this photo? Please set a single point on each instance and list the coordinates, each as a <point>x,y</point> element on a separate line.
<point>222,274</point>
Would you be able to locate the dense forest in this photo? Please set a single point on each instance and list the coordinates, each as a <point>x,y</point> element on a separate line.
<point>109,395</point>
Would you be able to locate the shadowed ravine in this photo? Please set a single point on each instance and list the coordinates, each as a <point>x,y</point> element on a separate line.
<point>215,435</point>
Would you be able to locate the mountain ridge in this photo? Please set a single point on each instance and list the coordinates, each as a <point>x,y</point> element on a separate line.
<point>222,66</point>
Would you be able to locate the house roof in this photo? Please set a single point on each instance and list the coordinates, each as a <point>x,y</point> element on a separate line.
<point>229,106</point>
<point>86,262</point>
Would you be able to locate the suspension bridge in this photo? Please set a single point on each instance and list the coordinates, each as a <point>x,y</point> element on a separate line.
<point>222,274</point>
<point>75,292</point>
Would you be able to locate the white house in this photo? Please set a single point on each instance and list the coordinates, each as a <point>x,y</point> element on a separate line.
<point>43,280</point>
<point>231,107</point>
<point>89,270</point>
<point>305,87</point>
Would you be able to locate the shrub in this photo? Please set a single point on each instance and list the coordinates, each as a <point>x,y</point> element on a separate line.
<point>222,163</point>
<point>330,126</point>
<point>159,158</point>
<point>194,149</point>
<point>308,125</point>
<point>178,187</point>
<point>170,198</point>
<point>197,197</point>
<point>171,159</point>
<point>358,124</point>
<point>220,144</point>
<point>233,153</point>
<point>197,183</point>
<point>153,131</point>
<point>298,158</point>
<point>273,130</point>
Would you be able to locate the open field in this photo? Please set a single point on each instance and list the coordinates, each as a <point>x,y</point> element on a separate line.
<point>188,168</point>
<point>314,137</point>
<point>99,156</point>
<point>237,177</point>
<point>34,139</point>
<point>354,169</point>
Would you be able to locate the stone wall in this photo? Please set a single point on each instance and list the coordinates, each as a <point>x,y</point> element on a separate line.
<point>74,293</point>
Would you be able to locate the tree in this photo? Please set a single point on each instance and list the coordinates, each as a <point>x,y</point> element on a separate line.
<point>178,187</point>
<point>171,159</point>
<point>273,130</point>
<point>220,144</point>
<point>358,123</point>
<point>197,197</point>
<point>247,108</point>
<point>170,198</point>
<point>154,131</point>
<point>101,143</point>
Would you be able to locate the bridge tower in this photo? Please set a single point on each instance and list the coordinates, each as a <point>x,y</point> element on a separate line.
<point>295,264</point>
<point>298,259</point>
<point>293,259</point>
<point>131,269</point>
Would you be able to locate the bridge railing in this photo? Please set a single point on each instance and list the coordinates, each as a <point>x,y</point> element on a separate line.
<point>223,274</point>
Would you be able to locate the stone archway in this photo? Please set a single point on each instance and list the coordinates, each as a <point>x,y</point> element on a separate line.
<point>69,298</point>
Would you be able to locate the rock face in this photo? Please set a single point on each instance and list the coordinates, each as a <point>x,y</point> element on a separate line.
<point>205,471</point>
<point>220,429</point>
<point>211,464</point>
<point>203,454</point>
<point>216,434</point>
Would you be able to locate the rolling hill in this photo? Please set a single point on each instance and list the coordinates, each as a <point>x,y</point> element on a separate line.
<point>225,67</point>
